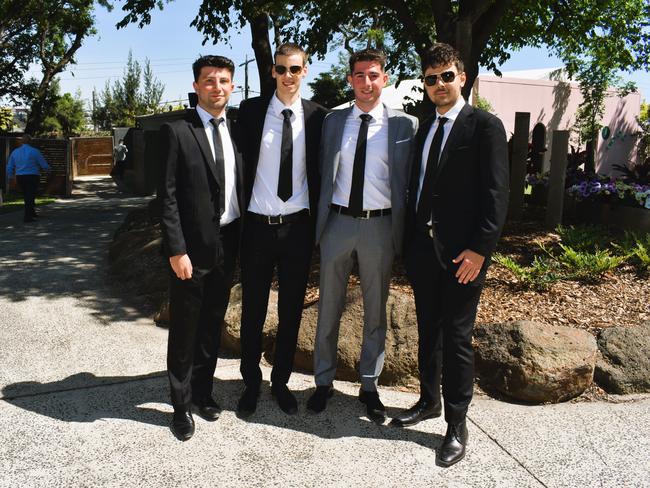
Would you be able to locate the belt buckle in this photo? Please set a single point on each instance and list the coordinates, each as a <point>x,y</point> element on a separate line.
<point>365,214</point>
<point>272,222</point>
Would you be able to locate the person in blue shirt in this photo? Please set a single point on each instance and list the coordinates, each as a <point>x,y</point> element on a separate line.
<point>26,162</point>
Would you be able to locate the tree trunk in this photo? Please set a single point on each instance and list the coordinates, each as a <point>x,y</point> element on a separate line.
<point>263,54</point>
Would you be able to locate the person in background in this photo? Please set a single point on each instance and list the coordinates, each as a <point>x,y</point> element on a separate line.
<point>119,156</point>
<point>26,162</point>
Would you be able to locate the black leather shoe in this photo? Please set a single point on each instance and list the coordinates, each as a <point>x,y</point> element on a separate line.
<point>318,400</point>
<point>207,409</point>
<point>285,399</point>
<point>182,424</point>
<point>375,409</point>
<point>247,403</point>
<point>453,447</point>
<point>422,410</point>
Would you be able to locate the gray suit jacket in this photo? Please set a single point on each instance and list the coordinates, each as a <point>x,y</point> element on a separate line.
<point>401,132</point>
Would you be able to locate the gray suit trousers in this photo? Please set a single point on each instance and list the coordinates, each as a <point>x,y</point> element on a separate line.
<point>370,241</point>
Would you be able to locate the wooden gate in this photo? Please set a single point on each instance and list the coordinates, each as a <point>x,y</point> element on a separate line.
<point>92,155</point>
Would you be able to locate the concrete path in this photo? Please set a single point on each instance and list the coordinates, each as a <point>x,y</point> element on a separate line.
<point>84,399</point>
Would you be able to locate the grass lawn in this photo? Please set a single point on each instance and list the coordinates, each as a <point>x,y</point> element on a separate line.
<point>14,202</point>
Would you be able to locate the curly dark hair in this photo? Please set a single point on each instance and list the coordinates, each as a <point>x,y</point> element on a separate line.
<point>214,62</point>
<point>441,54</point>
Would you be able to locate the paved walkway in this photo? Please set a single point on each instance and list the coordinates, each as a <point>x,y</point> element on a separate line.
<point>84,399</point>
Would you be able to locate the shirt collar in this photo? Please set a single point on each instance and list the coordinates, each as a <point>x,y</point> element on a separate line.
<point>376,113</point>
<point>453,112</point>
<point>206,116</point>
<point>277,106</point>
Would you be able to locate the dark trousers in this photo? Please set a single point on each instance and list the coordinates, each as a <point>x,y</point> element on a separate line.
<point>29,186</point>
<point>446,311</point>
<point>196,310</point>
<point>264,246</point>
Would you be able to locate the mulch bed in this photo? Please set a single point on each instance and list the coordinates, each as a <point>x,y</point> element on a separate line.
<point>621,298</point>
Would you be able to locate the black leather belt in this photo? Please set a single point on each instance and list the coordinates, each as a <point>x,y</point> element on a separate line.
<point>278,219</point>
<point>365,214</point>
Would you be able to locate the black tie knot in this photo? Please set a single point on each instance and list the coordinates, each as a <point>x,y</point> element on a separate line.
<point>365,117</point>
<point>216,122</point>
<point>442,120</point>
<point>287,113</point>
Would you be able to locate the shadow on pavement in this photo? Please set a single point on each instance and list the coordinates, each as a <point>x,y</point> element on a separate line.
<point>65,252</point>
<point>84,397</point>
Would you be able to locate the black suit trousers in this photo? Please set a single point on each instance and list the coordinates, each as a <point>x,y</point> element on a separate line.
<point>446,311</point>
<point>196,310</point>
<point>264,246</point>
<point>29,186</point>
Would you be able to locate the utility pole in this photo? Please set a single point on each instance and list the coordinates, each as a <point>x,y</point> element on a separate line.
<point>245,65</point>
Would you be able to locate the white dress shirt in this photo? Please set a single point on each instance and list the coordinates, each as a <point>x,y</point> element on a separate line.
<point>376,185</point>
<point>451,116</point>
<point>231,211</point>
<point>265,199</point>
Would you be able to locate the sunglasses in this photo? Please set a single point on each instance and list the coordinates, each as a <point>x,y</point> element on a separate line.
<point>295,69</point>
<point>446,77</point>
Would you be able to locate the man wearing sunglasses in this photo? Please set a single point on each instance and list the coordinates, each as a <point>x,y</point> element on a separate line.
<point>457,206</point>
<point>365,161</point>
<point>281,137</point>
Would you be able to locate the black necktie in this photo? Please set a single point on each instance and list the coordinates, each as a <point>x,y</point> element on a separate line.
<point>425,204</point>
<point>355,204</point>
<point>286,158</point>
<point>219,161</point>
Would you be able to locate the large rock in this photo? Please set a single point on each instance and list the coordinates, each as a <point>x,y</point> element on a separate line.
<point>625,363</point>
<point>535,362</point>
<point>400,366</point>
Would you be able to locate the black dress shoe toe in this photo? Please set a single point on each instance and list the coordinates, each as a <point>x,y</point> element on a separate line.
<point>247,403</point>
<point>318,400</point>
<point>182,424</point>
<point>422,410</point>
<point>207,409</point>
<point>374,408</point>
<point>286,401</point>
<point>453,447</point>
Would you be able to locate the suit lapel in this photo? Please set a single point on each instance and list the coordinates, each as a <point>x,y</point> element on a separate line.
<point>454,136</point>
<point>256,132</point>
<point>198,130</point>
<point>311,128</point>
<point>338,137</point>
<point>239,167</point>
<point>393,123</point>
<point>416,169</point>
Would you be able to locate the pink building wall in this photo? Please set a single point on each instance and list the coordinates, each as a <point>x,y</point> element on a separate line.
<point>555,104</point>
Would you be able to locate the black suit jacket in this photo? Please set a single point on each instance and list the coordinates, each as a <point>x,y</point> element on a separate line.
<point>250,120</point>
<point>471,181</point>
<point>189,192</point>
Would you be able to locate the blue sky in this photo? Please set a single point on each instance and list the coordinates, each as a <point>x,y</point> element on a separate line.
<point>172,45</point>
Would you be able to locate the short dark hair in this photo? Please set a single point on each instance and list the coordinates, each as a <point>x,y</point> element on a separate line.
<point>441,54</point>
<point>212,61</point>
<point>368,55</point>
<point>288,49</point>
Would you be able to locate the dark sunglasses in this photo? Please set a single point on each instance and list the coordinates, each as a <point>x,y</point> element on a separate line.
<point>295,69</point>
<point>446,77</point>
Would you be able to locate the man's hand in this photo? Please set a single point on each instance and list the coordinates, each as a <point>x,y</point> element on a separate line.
<point>470,267</point>
<point>182,266</point>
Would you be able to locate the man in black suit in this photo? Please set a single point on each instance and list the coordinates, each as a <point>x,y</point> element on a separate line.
<point>457,206</point>
<point>201,175</point>
<point>281,186</point>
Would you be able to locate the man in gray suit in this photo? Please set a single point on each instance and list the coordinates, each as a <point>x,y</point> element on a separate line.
<point>365,152</point>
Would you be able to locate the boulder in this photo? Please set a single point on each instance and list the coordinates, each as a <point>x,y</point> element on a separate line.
<point>534,362</point>
<point>625,364</point>
<point>400,367</point>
